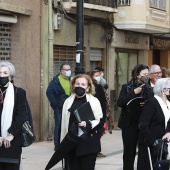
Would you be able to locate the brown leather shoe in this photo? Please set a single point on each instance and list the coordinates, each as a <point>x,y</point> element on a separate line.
<point>100,155</point>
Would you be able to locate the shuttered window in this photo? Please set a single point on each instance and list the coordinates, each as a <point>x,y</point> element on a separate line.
<point>95,54</point>
<point>64,54</point>
<point>5,41</point>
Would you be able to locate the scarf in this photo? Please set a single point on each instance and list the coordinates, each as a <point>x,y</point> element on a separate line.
<point>7,111</point>
<point>164,108</point>
<point>166,115</point>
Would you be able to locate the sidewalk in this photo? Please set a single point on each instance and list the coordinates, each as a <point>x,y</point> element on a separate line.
<point>37,155</point>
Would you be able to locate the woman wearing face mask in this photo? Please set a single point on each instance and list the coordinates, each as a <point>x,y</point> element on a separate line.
<point>154,124</point>
<point>81,154</point>
<point>138,86</point>
<point>99,94</point>
<point>12,114</point>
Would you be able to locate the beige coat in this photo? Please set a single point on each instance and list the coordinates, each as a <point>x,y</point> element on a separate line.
<point>96,107</point>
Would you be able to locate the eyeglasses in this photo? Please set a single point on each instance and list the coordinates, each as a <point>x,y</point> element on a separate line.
<point>66,69</point>
<point>157,73</point>
<point>167,89</point>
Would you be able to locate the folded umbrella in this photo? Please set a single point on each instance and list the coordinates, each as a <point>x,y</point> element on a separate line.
<point>66,146</point>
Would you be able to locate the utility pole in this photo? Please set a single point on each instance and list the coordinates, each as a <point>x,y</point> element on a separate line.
<point>79,69</point>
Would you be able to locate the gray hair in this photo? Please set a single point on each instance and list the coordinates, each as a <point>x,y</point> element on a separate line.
<point>168,72</point>
<point>10,66</point>
<point>160,85</point>
<point>151,68</point>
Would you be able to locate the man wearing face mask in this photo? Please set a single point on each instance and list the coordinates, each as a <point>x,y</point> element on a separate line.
<point>57,92</point>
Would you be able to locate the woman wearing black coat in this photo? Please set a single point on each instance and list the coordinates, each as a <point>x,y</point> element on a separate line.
<point>154,124</point>
<point>12,117</point>
<point>138,86</point>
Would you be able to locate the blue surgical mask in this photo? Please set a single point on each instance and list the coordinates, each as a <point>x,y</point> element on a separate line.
<point>97,79</point>
<point>68,73</point>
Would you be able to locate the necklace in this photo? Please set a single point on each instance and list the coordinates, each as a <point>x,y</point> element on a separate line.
<point>2,96</point>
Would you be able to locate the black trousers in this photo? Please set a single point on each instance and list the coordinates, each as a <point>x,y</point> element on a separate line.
<point>9,166</point>
<point>130,138</point>
<point>86,162</point>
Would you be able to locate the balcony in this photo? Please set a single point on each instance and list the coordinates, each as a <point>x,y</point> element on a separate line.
<point>92,8</point>
<point>143,16</point>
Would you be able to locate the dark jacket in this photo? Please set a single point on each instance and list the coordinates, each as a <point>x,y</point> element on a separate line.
<point>55,93</point>
<point>152,122</point>
<point>126,116</point>
<point>13,153</point>
<point>100,95</point>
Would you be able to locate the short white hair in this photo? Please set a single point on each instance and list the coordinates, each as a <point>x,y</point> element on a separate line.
<point>10,66</point>
<point>160,85</point>
<point>152,67</point>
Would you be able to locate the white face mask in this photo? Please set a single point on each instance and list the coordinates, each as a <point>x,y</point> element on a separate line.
<point>97,79</point>
<point>68,73</point>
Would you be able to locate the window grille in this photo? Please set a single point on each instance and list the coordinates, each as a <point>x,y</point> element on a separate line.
<point>159,4</point>
<point>123,2</point>
<point>5,41</point>
<point>63,54</point>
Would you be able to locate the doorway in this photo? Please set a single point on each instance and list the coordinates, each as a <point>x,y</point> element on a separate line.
<point>125,61</point>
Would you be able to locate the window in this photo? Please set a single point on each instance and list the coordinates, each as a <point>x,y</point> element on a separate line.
<point>5,41</point>
<point>123,2</point>
<point>159,4</point>
<point>64,54</point>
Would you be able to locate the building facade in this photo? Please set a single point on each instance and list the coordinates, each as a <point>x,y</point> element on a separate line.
<point>20,42</point>
<point>38,36</point>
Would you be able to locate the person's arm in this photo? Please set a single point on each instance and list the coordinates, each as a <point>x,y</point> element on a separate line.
<point>145,122</point>
<point>125,97</point>
<point>98,114</point>
<point>19,115</point>
<point>51,94</point>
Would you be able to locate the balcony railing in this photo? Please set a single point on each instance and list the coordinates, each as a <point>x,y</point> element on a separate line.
<point>106,3</point>
<point>123,2</point>
<point>159,4</point>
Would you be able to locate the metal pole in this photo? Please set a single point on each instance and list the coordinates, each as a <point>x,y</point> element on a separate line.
<point>79,69</point>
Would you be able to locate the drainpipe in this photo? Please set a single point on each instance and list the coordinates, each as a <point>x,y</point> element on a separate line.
<point>50,59</point>
<point>46,70</point>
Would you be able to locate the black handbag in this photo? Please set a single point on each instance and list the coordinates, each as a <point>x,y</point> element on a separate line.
<point>27,135</point>
<point>161,149</point>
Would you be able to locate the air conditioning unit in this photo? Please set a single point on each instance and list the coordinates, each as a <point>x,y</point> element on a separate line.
<point>58,21</point>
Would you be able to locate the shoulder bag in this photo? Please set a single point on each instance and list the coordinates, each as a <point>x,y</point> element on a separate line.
<point>27,135</point>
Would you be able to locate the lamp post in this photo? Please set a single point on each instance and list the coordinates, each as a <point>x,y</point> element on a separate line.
<point>79,69</point>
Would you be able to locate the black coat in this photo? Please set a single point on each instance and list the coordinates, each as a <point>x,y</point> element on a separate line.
<point>100,95</point>
<point>126,116</point>
<point>152,122</point>
<point>13,153</point>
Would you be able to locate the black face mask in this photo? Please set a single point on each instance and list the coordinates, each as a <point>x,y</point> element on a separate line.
<point>4,81</point>
<point>79,91</point>
<point>168,97</point>
<point>145,79</point>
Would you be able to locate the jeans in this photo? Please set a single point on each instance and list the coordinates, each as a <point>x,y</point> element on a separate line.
<point>57,128</point>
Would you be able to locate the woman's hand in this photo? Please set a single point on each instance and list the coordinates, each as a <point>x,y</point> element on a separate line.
<point>166,136</point>
<point>7,140</point>
<point>83,123</point>
<point>138,89</point>
<point>1,141</point>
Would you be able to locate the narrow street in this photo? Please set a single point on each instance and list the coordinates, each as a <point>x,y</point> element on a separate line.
<point>36,156</point>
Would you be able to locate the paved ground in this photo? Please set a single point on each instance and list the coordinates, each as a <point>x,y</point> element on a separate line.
<point>37,155</point>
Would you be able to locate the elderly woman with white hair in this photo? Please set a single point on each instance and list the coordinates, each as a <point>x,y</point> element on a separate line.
<point>12,117</point>
<point>154,123</point>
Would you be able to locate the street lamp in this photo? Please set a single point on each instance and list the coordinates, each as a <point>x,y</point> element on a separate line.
<point>79,69</point>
